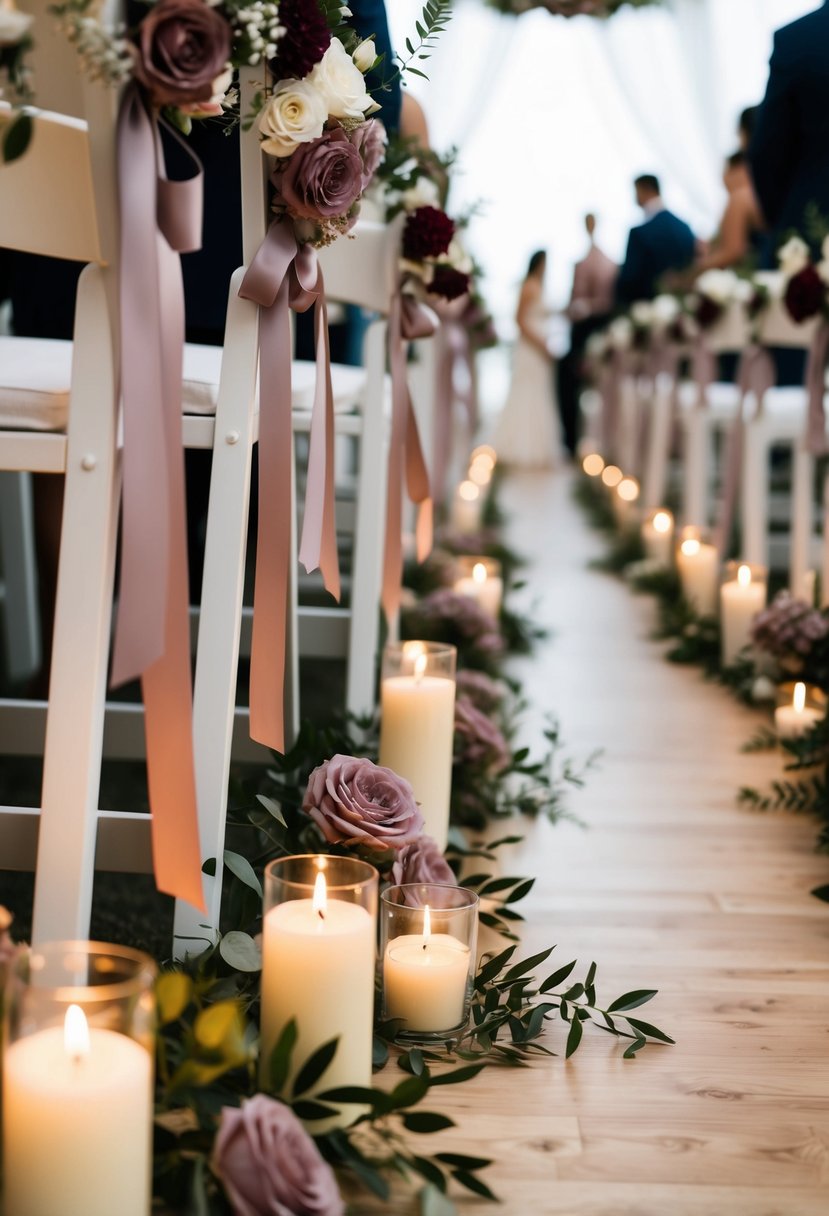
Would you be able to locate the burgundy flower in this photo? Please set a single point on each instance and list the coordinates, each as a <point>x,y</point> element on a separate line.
<point>422,862</point>
<point>427,234</point>
<point>707,312</point>
<point>805,294</point>
<point>304,42</point>
<point>183,46</point>
<point>370,141</point>
<point>449,283</point>
<point>353,801</point>
<point>323,179</point>
<point>478,741</point>
<point>270,1166</point>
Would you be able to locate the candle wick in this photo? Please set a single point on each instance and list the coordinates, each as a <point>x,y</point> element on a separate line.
<point>425,944</point>
<point>320,914</point>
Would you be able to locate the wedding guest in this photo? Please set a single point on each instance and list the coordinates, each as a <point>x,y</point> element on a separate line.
<point>662,243</point>
<point>740,234</point>
<point>591,302</point>
<point>788,151</point>
<point>745,126</point>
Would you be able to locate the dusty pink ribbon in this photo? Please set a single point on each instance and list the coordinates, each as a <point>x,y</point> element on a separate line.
<point>408,320</point>
<point>159,219</point>
<point>285,275</point>
<point>703,368</point>
<point>816,389</point>
<point>755,376</point>
<point>452,348</point>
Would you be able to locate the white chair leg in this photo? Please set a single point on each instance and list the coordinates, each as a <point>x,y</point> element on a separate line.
<point>695,471</point>
<point>369,527</point>
<point>292,709</point>
<point>755,505</point>
<point>628,425</point>
<point>217,655</point>
<point>83,610</point>
<point>800,540</point>
<point>659,444</point>
<point>21,615</point>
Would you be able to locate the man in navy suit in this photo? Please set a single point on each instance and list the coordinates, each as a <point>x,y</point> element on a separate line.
<point>789,152</point>
<point>662,243</point>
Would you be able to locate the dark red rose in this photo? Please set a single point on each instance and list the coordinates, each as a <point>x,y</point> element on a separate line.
<point>449,283</point>
<point>304,42</point>
<point>707,312</point>
<point>427,234</point>
<point>183,46</point>
<point>805,294</point>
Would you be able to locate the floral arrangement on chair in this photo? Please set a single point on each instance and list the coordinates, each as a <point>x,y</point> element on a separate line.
<point>15,41</point>
<point>806,293</point>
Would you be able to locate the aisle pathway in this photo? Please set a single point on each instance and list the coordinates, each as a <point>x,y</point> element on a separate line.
<point>672,886</point>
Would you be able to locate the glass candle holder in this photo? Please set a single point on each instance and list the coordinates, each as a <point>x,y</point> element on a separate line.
<point>625,501</point>
<point>428,940</point>
<point>742,596</point>
<point>467,507</point>
<point>318,962</point>
<point>800,707</point>
<point>417,725</point>
<point>658,537</point>
<point>78,1081</point>
<point>480,579</point>
<point>699,570</point>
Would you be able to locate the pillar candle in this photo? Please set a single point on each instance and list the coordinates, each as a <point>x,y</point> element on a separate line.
<point>77,1122</point>
<point>417,730</point>
<point>658,538</point>
<point>467,506</point>
<point>485,588</point>
<point>793,721</point>
<point>425,978</point>
<point>318,958</point>
<point>740,601</point>
<point>699,571</point>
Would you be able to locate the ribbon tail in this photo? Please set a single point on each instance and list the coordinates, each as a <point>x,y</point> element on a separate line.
<point>318,546</point>
<point>816,389</point>
<point>393,544</point>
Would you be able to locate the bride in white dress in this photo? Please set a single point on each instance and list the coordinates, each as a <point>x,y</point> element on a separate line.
<point>528,430</point>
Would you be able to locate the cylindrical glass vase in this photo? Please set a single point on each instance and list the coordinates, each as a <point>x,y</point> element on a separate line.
<point>417,725</point>
<point>319,936</point>
<point>428,940</point>
<point>78,1081</point>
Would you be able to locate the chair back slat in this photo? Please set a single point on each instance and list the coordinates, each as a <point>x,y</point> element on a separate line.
<point>363,268</point>
<point>47,203</point>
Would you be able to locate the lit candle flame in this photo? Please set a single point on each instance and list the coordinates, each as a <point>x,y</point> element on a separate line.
<point>427,926</point>
<point>479,572</point>
<point>628,489</point>
<point>468,491</point>
<point>319,902</point>
<point>76,1033</point>
<point>690,547</point>
<point>662,522</point>
<point>744,576</point>
<point>593,464</point>
<point>799,698</point>
<point>611,475</point>
<point>420,666</point>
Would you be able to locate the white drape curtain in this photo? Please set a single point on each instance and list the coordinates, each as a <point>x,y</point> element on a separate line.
<point>554,118</point>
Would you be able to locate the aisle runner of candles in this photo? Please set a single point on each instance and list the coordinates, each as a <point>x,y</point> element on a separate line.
<point>368,957</point>
<point>718,617</point>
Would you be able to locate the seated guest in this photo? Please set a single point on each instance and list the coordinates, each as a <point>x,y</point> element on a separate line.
<point>662,243</point>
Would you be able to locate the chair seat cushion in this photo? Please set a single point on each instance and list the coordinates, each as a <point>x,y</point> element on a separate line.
<point>35,375</point>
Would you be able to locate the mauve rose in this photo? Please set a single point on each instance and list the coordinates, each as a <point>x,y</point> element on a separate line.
<point>422,862</point>
<point>322,179</point>
<point>270,1166</point>
<point>370,141</point>
<point>479,743</point>
<point>480,689</point>
<point>353,801</point>
<point>805,294</point>
<point>183,46</point>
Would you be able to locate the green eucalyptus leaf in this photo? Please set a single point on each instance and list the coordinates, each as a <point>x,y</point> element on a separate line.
<point>456,1076</point>
<point>379,1053</point>
<point>273,808</point>
<point>635,1046</point>
<point>460,1162</point>
<point>492,968</point>
<point>408,1092</point>
<point>244,871</point>
<point>528,964</point>
<point>474,1184</point>
<point>632,1000</point>
<point>358,1095</point>
<point>426,1121</point>
<point>651,1032</point>
<point>558,977</point>
<point>282,1055</point>
<point>310,1110</point>
<point>574,1037</point>
<point>18,137</point>
<point>240,951</point>
<point>521,891</point>
<point>314,1067</point>
<point>431,1172</point>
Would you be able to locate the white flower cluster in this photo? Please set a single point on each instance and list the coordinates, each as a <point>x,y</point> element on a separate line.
<point>297,110</point>
<point>14,26</point>
<point>723,287</point>
<point>795,256</point>
<point>105,57</point>
<point>258,24</point>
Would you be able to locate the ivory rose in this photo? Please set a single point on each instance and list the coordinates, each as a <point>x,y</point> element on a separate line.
<point>341,85</point>
<point>13,25</point>
<point>295,114</point>
<point>365,55</point>
<point>793,256</point>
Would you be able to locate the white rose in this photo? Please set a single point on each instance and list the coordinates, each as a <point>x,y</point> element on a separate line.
<point>665,310</point>
<point>424,193</point>
<point>620,333</point>
<point>295,114</point>
<point>717,285</point>
<point>744,291</point>
<point>793,256</point>
<point>365,55</point>
<point>642,313</point>
<point>824,249</point>
<point>823,270</point>
<point>13,25</point>
<point>457,257</point>
<point>596,346</point>
<point>340,84</point>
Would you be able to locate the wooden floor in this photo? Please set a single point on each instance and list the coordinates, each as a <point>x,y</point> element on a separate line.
<point>673,886</point>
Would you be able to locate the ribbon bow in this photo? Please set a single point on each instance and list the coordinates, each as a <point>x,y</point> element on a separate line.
<point>159,219</point>
<point>285,276</point>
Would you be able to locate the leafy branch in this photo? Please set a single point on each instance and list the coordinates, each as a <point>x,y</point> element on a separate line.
<point>433,21</point>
